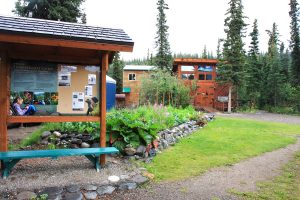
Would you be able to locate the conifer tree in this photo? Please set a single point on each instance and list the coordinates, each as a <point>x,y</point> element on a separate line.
<point>231,68</point>
<point>253,68</point>
<point>284,62</point>
<point>116,72</point>
<point>295,42</point>
<point>163,56</point>
<point>204,53</point>
<point>62,10</point>
<point>275,78</point>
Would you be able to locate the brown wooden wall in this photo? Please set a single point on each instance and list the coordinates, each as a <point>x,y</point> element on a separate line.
<point>132,98</point>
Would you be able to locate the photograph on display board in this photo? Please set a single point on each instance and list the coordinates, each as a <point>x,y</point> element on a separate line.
<point>78,101</point>
<point>92,79</point>
<point>64,79</point>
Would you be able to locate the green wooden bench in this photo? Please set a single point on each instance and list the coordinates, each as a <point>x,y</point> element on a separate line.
<point>11,158</point>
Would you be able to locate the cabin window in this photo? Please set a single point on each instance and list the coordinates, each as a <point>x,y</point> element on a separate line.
<point>188,76</point>
<point>208,76</point>
<point>201,77</point>
<point>187,68</point>
<point>205,68</point>
<point>205,77</point>
<point>132,77</point>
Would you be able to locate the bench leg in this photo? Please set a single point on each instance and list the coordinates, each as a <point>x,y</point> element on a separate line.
<point>8,166</point>
<point>95,160</point>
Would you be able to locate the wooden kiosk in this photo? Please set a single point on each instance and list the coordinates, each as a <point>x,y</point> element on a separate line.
<point>61,43</point>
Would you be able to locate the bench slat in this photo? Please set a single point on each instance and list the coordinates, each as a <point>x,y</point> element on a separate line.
<point>56,153</point>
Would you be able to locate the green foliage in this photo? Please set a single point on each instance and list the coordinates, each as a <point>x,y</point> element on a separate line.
<point>40,197</point>
<point>222,142</point>
<point>116,72</point>
<point>140,126</point>
<point>81,127</point>
<point>162,88</point>
<point>63,10</point>
<point>163,57</point>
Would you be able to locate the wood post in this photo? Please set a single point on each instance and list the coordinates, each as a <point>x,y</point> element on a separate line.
<point>4,101</point>
<point>104,67</point>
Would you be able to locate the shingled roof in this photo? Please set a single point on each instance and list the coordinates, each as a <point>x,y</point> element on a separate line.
<point>63,30</point>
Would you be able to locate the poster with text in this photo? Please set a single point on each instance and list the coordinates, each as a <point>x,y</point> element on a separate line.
<point>66,68</point>
<point>88,91</point>
<point>78,101</point>
<point>92,79</point>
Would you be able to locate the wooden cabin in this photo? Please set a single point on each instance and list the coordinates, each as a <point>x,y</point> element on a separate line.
<point>201,75</point>
<point>132,80</point>
<point>59,58</point>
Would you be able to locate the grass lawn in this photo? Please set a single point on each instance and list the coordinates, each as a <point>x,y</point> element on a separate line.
<point>223,142</point>
<point>284,187</point>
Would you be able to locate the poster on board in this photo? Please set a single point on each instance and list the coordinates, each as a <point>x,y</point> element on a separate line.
<point>78,101</point>
<point>64,79</point>
<point>88,91</point>
<point>92,79</point>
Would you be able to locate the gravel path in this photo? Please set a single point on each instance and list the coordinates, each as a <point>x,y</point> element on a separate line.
<point>265,116</point>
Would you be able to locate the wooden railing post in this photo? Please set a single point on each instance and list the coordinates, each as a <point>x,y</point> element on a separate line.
<point>4,100</point>
<point>104,67</point>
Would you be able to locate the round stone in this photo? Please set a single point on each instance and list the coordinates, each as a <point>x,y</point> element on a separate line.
<point>73,188</point>
<point>85,145</point>
<point>106,190</point>
<point>127,186</point>
<point>139,179</point>
<point>90,195</point>
<point>26,195</point>
<point>90,188</point>
<point>46,134</point>
<point>73,196</point>
<point>113,179</point>
<point>57,134</point>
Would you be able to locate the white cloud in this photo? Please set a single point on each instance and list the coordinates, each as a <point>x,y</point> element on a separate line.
<point>193,23</point>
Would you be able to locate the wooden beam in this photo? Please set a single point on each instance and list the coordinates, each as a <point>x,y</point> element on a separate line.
<point>36,119</point>
<point>4,98</point>
<point>104,67</point>
<point>24,39</point>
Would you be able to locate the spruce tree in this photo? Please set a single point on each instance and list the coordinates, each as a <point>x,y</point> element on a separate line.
<point>231,67</point>
<point>284,62</point>
<point>204,53</point>
<point>116,72</point>
<point>62,10</point>
<point>163,56</point>
<point>295,41</point>
<point>253,68</point>
<point>274,78</point>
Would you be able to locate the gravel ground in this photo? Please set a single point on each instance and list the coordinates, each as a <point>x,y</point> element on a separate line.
<point>31,174</point>
<point>265,116</point>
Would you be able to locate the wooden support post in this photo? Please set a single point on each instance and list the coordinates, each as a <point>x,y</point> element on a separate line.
<point>104,67</point>
<point>4,101</point>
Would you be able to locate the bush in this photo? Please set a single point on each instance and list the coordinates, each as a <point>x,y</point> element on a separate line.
<point>162,88</point>
<point>125,127</point>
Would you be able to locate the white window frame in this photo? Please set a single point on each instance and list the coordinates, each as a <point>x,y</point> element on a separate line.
<point>134,76</point>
